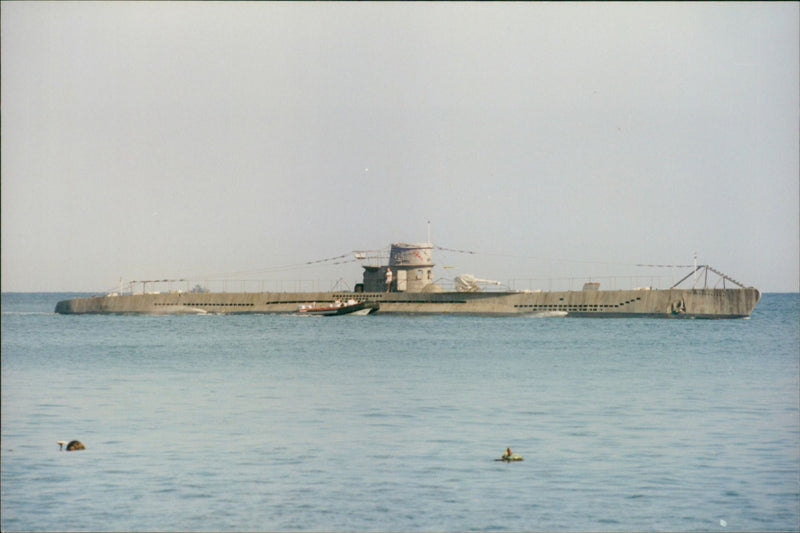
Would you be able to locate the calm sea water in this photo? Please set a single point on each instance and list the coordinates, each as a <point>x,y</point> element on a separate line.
<point>262,422</point>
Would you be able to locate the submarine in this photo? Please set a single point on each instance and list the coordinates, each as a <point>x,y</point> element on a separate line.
<point>405,285</point>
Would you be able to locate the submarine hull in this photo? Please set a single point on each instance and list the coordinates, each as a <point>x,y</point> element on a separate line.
<point>671,303</point>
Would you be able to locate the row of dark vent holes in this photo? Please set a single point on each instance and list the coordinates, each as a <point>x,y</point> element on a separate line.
<point>204,304</point>
<point>574,306</point>
<point>532,306</point>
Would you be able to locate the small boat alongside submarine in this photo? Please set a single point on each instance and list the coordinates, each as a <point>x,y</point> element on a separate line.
<point>338,308</point>
<point>406,286</point>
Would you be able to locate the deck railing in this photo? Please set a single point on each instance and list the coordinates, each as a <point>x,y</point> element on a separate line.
<point>316,285</point>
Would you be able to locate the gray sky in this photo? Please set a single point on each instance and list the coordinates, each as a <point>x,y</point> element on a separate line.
<point>152,140</point>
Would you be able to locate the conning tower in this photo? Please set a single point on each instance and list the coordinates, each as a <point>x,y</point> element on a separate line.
<point>411,268</point>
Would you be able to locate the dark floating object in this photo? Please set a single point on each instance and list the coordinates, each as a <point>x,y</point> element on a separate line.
<point>72,446</point>
<point>508,456</point>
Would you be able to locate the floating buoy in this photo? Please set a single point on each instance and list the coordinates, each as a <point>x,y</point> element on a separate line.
<point>508,456</point>
<point>72,446</point>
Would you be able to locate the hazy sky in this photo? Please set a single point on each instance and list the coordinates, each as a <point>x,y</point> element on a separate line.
<point>151,140</point>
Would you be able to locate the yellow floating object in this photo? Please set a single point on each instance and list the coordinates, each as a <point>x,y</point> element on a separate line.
<point>510,456</point>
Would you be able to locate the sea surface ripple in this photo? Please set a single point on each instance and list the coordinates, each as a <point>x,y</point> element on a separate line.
<point>289,423</point>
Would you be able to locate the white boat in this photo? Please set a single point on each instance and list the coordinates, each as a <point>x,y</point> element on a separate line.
<point>350,307</point>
